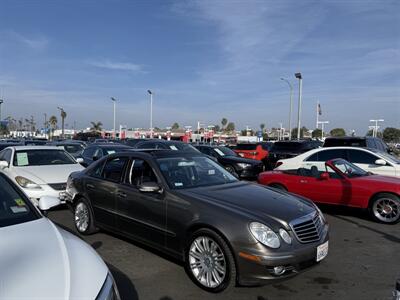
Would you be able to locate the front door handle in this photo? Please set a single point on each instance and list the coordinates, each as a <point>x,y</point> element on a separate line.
<point>121,195</point>
<point>303,181</point>
<point>90,186</point>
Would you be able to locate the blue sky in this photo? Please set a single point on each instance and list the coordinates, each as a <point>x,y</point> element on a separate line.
<point>204,60</point>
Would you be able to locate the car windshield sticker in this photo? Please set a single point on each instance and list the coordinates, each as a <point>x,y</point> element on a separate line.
<point>19,202</point>
<point>173,147</point>
<point>22,159</point>
<point>211,172</point>
<point>219,152</point>
<point>18,209</point>
<point>178,184</point>
<point>186,163</point>
<point>110,151</point>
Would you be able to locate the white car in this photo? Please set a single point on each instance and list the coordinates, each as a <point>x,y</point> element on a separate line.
<point>370,160</point>
<point>42,261</point>
<point>39,170</point>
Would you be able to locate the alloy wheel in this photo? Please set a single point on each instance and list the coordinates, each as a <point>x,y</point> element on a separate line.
<point>386,210</point>
<point>82,217</point>
<point>207,262</point>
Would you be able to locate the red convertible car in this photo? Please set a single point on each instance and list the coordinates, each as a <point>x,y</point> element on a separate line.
<point>341,183</point>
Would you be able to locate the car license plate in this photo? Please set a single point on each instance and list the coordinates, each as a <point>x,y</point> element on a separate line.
<point>322,251</point>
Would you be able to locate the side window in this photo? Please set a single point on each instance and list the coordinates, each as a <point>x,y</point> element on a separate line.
<point>89,152</point>
<point>326,155</point>
<point>371,144</point>
<point>7,156</point>
<point>96,171</point>
<point>114,168</point>
<point>361,157</point>
<point>147,146</point>
<point>332,173</point>
<point>140,172</point>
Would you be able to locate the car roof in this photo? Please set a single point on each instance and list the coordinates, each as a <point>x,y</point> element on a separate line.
<point>158,153</point>
<point>18,148</point>
<point>108,145</point>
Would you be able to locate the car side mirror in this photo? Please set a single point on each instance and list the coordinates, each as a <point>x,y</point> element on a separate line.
<point>3,164</point>
<point>47,202</point>
<point>324,176</point>
<point>94,158</point>
<point>380,162</point>
<point>150,187</point>
<point>79,160</point>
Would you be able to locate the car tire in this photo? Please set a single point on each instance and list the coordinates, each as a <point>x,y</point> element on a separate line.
<point>278,186</point>
<point>83,217</point>
<point>231,170</point>
<point>385,208</point>
<point>209,261</point>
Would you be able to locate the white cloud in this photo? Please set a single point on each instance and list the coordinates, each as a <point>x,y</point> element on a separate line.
<point>123,66</point>
<point>38,42</point>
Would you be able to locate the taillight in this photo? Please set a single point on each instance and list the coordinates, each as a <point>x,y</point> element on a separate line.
<point>279,163</point>
<point>253,153</point>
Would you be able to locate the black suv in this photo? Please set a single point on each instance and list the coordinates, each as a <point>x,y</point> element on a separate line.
<point>289,149</point>
<point>363,142</point>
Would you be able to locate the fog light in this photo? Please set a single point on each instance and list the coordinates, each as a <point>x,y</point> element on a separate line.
<point>279,270</point>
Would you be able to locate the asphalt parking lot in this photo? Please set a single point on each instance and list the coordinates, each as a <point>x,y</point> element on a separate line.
<point>363,262</point>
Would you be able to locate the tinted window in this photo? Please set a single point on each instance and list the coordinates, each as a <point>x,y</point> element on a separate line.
<point>326,155</point>
<point>146,146</point>
<point>291,146</point>
<point>7,156</point>
<point>95,169</point>
<point>225,151</point>
<point>89,152</point>
<point>246,147</point>
<point>141,172</point>
<point>114,168</point>
<point>371,144</point>
<point>356,142</point>
<point>205,150</point>
<point>23,158</point>
<point>14,208</point>
<point>266,146</point>
<point>361,157</point>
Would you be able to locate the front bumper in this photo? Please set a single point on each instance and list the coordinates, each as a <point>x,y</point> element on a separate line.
<point>35,195</point>
<point>297,258</point>
<point>251,172</point>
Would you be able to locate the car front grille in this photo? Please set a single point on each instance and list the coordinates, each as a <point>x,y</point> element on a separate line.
<point>308,229</point>
<point>58,186</point>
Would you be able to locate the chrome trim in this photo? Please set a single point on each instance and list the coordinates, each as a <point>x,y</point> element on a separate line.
<point>309,228</point>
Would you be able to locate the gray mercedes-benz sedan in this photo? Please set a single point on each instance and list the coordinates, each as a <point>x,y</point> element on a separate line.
<point>225,231</point>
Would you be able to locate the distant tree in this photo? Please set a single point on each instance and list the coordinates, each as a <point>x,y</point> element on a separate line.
<point>175,126</point>
<point>244,132</point>
<point>3,130</point>
<point>391,134</point>
<point>262,126</point>
<point>224,121</point>
<point>338,132</point>
<point>302,131</point>
<point>371,133</point>
<point>96,126</point>
<point>230,127</point>
<point>84,136</point>
<point>217,128</point>
<point>63,116</point>
<point>53,123</point>
<point>317,133</point>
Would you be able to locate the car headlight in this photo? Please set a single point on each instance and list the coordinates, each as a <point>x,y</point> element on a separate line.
<point>109,290</point>
<point>264,235</point>
<point>26,183</point>
<point>244,165</point>
<point>321,215</point>
<point>285,236</point>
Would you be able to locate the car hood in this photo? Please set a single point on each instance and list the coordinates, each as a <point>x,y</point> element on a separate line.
<point>238,159</point>
<point>48,174</point>
<point>41,261</point>
<point>255,200</point>
<point>380,178</point>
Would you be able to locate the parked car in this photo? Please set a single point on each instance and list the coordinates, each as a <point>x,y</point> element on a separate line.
<point>38,170</point>
<point>131,142</point>
<point>370,160</point>
<point>166,145</point>
<point>96,151</point>
<point>45,259</point>
<point>341,183</point>
<point>258,151</point>
<point>233,163</point>
<point>288,149</point>
<point>4,145</point>
<point>186,205</point>
<point>73,148</point>
<point>364,142</point>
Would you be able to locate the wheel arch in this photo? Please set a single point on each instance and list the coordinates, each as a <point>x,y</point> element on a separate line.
<point>373,196</point>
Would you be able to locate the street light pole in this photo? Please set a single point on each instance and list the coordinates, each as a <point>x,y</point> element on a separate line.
<point>45,125</point>
<point>375,131</point>
<point>290,107</point>
<point>151,112</point>
<point>62,121</point>
<point>115,101</point>
<point>1,102</point>
<point>299,77</point>
<point>322,127</point>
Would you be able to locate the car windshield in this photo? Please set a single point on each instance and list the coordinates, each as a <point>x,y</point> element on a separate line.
<point>288,146</point>
<point>391,158</point>
<point>225,151</point>
<point>24,158</point>
<point>349,169</point>
<point>182,147</point>
<point>246,147</point>
<point>332,142</point>
<point>182,172</point>
<point>14,208</point>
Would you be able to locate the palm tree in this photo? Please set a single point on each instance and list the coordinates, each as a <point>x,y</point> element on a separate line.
<point>53,123</point>
<point>262,126</point>
<point>63,116</point>
<point>224,121</point>
<point>96,126</point>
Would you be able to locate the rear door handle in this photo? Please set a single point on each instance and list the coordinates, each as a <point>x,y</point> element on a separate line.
<point>90,186</point>
<point>121,195</point>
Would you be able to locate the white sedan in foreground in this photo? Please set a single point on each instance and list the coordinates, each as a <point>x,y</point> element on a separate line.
<point>42,261</point>
<point>39,170</point>
<point>370,160</point>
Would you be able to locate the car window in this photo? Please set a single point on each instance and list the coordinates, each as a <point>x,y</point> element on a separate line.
<point>140,172</point>
<point>311,171</point>
<point>361,157</point>
<point>266,146</point>
<point>42,157</point>
<point>372,144</point>
<point>205,150</point>
<point>146,146</point>
<point>7,156</point>
<point>325,155</point>
<point>114,168</point>
<point>246,147</point>
<point>14,208</point>
<point>95,170</point>
<point>332,173</point>
<point>89,152</point>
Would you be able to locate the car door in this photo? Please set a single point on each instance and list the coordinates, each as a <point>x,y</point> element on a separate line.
<point>101,187</point>
<point>141,214</point>
<point>366,161</point>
